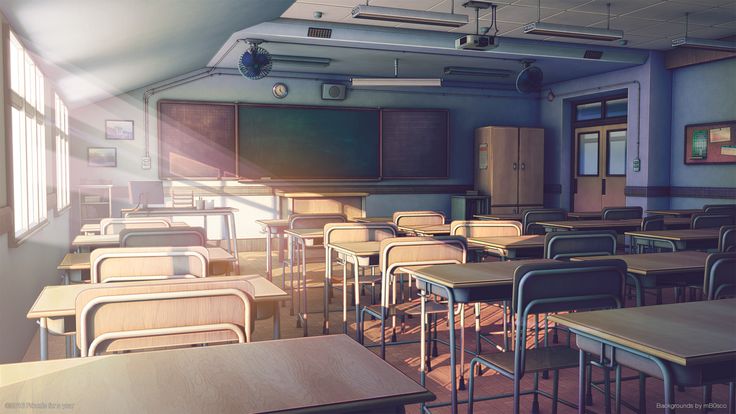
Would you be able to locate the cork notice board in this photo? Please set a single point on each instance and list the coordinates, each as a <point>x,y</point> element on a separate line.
<point>713,143</point>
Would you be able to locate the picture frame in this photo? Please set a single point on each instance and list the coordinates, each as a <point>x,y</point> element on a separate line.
<point>710,143</point>
<point>102,157</point>
<point>119,130</point>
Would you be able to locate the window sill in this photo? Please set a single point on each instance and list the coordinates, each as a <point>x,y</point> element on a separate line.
<point>17,241</point>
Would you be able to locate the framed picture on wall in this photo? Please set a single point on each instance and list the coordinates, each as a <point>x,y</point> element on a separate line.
<point>102,157</point>
<point>119,130</point>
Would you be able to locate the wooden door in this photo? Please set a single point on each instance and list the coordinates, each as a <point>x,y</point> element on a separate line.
<point>600,167</point>
<point>504,165</point>
<point>531,166</point>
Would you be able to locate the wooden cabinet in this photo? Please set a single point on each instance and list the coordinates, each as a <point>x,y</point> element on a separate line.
<point>509,167</point>
<point>95,202</point>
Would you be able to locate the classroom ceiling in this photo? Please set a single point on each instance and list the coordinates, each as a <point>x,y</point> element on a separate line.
<point>99,48</point>
<point>647,24</point>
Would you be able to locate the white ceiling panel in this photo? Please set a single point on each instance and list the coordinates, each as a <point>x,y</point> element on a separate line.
<point>707,3</point>
<point>523,14</point>
<point>575,18</point>
<point>553,4</point>
<point>664,29</point>
<point>618,7</point>
<point>665,11</point>
<point>710,17</point>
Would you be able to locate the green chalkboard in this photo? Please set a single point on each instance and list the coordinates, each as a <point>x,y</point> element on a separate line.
<point>300,142</point>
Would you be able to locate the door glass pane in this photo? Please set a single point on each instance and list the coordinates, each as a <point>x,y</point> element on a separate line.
<point>616,153</point>
<point>616,107</point>
<point>588,153</point>
<point>585,112</point>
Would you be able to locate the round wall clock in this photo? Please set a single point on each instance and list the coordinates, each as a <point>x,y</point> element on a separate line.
<point>280,90</point>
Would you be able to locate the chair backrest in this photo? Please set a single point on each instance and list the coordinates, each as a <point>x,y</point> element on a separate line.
<point>566,244</point>
<point>720,208</point>
<point>172,237</point>
<point>563,287</point>
<point>652,223</point>
<point>485,228</point>
<point>151,315</point>
<point>358,232</point>
<point>417,251</point>
<point>148,263</point>
<point>621,213</point>
<point>709,220</point>
<point>315,221</point>
<point>530,218</point>
<point>418,218</point>
<point>727,239</point>
<point>720,275</point>
<point>116,225</point>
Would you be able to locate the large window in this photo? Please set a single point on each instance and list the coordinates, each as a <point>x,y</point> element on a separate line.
<point>61,132</point>
<point>28,140</point>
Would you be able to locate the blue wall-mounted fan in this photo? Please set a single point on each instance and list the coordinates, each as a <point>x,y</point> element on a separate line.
<point>529,79</point>
<point>255,63</point>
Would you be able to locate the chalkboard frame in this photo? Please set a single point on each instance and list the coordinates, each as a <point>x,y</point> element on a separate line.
<point>309,179</point>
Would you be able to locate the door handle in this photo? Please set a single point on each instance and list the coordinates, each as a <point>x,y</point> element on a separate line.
<point>603,186</point>
<point>513,166</point>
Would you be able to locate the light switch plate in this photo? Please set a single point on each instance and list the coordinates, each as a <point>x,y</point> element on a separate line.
<point>146,163</point>
<point>637,164</point>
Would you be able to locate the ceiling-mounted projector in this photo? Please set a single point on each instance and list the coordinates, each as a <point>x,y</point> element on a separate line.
<point>476,42</point>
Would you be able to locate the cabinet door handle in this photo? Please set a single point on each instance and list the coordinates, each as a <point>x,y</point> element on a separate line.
<point>523,166</point>
<point>513,166</point>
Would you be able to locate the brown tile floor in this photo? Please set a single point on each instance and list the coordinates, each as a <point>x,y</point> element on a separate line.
<point>406,357</point>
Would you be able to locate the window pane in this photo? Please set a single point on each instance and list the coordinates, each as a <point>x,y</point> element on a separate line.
<point>616,153</point>
<point>588,154</point>
<point>617,107</point>
<point>588,111</point>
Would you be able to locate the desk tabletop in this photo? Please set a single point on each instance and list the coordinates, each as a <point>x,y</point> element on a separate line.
<point>677,235</point>
<point>80,261</point>
<point>96,240</point>
<point>367,248</point>
<point>306,233</point>
<point>585,215</point>
<point>274,223</point>
<point>510,216</point>
<point>658,263</point>
<point>178,211</point>
<point>316,194</point>
<point>610,224</point>
<point>258,377</point>
<point>677,213</point>
<point>467,275</point>
<point>510,242</point>
<point>431,230</point>
<point>94,228</point>
<point>687,334</point>
<point>58,300</point>
<point>373,220</point>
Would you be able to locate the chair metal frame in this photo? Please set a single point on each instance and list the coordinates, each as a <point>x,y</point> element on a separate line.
<point>134,253</point>
<point>528,224</point>
<point>727,239</point>
<point>708,218</point>
<point>399,215</point>
<point>712,284</point>
<point>127,234</point>
<point>551,237</point>
<point>139,223</point>
<point>622,213</point>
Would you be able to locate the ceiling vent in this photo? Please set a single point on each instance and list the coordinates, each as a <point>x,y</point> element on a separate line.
<point>319,32</point>
<point>593,54</point>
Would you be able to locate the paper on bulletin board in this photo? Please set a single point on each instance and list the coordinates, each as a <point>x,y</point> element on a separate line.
<point>700,144</point>
<point>483,156</point>
<point>728,150</point>
<point>720,134</point>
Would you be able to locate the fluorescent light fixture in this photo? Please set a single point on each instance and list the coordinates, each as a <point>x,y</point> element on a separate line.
<point>708,44</point>
<point>392,14</point>
<point>412,82</point>
<point>577,32</point>
<point>302,60</point>
<point>467,71</point>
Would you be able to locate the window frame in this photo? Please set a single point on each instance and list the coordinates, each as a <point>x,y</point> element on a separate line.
<point>65,189</point>
<point>608,151</point>
<point>598,154</point>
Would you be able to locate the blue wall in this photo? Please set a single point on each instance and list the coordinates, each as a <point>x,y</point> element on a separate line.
<point>701,94</point>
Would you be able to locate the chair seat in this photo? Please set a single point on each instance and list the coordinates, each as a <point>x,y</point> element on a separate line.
<point>410,308</point>
<point>537,359</point>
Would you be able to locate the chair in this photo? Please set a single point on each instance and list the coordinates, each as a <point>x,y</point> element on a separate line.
<point>354,232</point>
<point>116,225</point>
<point>567,244</point>
<point>172,237</point>
<point>485,228</point>
<point>545,288</point>
<point>720,208</point>
<point>154,315</point>
<point>709,220</point>
<point>720,275</point>
<point>148,263</point>
<point>418,218</point>
<point>621,213</point>
<point>652,223</point>
<point>408,251</point>
<point>727,239</point>
<point>531,217</point>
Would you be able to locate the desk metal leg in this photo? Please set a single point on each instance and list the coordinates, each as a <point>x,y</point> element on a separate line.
<point>356,288</point>
<point>43,338</point>
<point>234,240</point>
<point>327,287</point>
<point>276,320</point>
<point>581,382</point>
<point>453,362</point>
<point>269,264</point>
<point>305,326</point>
<point>345,297</point>
<point>422,341</point>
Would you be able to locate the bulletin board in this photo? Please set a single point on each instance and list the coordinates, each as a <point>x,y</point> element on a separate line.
<point>713,143</point>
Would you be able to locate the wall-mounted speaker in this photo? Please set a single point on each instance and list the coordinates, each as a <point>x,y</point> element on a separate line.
<point>333,91</point>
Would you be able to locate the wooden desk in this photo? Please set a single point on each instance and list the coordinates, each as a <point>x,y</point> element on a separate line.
<point>338,376</point>
<point>94,228</point>
<point>74,263</point>
<point>675,213</point>
<point>95,241</point>
<point>619,226</point>
<point>511,247</point>
<point>675,239</point>
<point>431,230</point>
<point>585,215</point>
<point>510,216</point>
<point>679,336</point>
<point>361,254</point>
<point>373,220</point>
<point>57,302</point>
<point>298,250</point>
<point>463,283</point>
<point>653,270</point>
<point>352,204</point>
<point>273,228</point>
